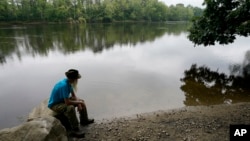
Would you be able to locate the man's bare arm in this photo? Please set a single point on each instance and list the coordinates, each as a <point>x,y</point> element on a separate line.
<point>72,102</point>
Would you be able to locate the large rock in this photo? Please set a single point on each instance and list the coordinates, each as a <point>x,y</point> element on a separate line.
<point>40,126</point>
<point>41,110</point>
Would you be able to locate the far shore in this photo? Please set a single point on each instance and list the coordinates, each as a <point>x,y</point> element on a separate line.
<point>12,23</point>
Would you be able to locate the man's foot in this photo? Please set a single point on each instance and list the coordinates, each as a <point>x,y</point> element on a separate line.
<point>77,134</point>
<point>87,122</point>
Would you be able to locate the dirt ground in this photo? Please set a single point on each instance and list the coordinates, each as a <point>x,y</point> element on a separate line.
<point>199,123</point>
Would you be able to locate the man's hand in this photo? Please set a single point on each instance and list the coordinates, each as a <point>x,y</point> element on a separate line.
<point>79,107</point>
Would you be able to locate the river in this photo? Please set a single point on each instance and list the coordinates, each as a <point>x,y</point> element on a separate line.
<point>126,68</point>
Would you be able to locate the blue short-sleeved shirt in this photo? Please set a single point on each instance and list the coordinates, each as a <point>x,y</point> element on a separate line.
<point>61,90</point>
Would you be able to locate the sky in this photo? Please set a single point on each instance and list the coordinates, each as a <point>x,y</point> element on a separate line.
<point>197,3</point>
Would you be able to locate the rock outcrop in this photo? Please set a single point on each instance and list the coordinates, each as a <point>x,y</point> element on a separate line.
<point>41,110</point>
<point>41,125</point>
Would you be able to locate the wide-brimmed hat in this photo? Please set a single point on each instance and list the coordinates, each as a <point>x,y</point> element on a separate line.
<point>72,74</point>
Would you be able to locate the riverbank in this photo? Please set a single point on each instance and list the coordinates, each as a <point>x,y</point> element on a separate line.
<point>198,123</point>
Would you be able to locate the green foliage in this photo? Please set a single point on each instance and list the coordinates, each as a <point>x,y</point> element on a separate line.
<point>81,20</point>
<point>221,22</point>
<point>93,11</point>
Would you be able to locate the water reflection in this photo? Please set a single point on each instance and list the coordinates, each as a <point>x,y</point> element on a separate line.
<point>40,39</point>
<point>202,86</point>
<point>115,61</point>
<point>126,69</point>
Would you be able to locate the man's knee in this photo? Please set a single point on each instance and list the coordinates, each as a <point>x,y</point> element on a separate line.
<point>70,108</point>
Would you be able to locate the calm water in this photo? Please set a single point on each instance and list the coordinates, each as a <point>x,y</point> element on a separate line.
<point>126,68</point>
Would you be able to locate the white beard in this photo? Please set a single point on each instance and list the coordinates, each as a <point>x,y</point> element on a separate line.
<point>74,85</point>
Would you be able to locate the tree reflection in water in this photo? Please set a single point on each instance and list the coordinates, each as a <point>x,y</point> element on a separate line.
<point>202,86</point>
<point>41,39</point>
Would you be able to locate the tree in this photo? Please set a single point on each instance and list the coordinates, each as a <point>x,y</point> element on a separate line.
<point>221,22</point>
<point>109,10</point>
<point>93,11</point>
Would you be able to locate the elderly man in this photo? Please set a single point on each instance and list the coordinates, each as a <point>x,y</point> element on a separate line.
<point>63,100</point>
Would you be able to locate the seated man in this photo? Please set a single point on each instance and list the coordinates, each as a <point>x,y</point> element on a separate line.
<point>63,103</point>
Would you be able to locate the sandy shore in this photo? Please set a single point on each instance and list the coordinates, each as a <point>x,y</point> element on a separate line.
<point>200,123</point>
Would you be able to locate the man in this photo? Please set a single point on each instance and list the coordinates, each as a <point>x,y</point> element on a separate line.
<point>63,100</point>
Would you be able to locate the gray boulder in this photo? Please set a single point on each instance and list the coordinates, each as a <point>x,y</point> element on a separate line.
<point>41,125</point>
<point>41,110</point>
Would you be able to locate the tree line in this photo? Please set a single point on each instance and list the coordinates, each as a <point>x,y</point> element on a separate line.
<point>94,11</point>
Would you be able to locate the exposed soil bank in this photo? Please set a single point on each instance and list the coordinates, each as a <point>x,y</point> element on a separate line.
<point>198,123</point>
